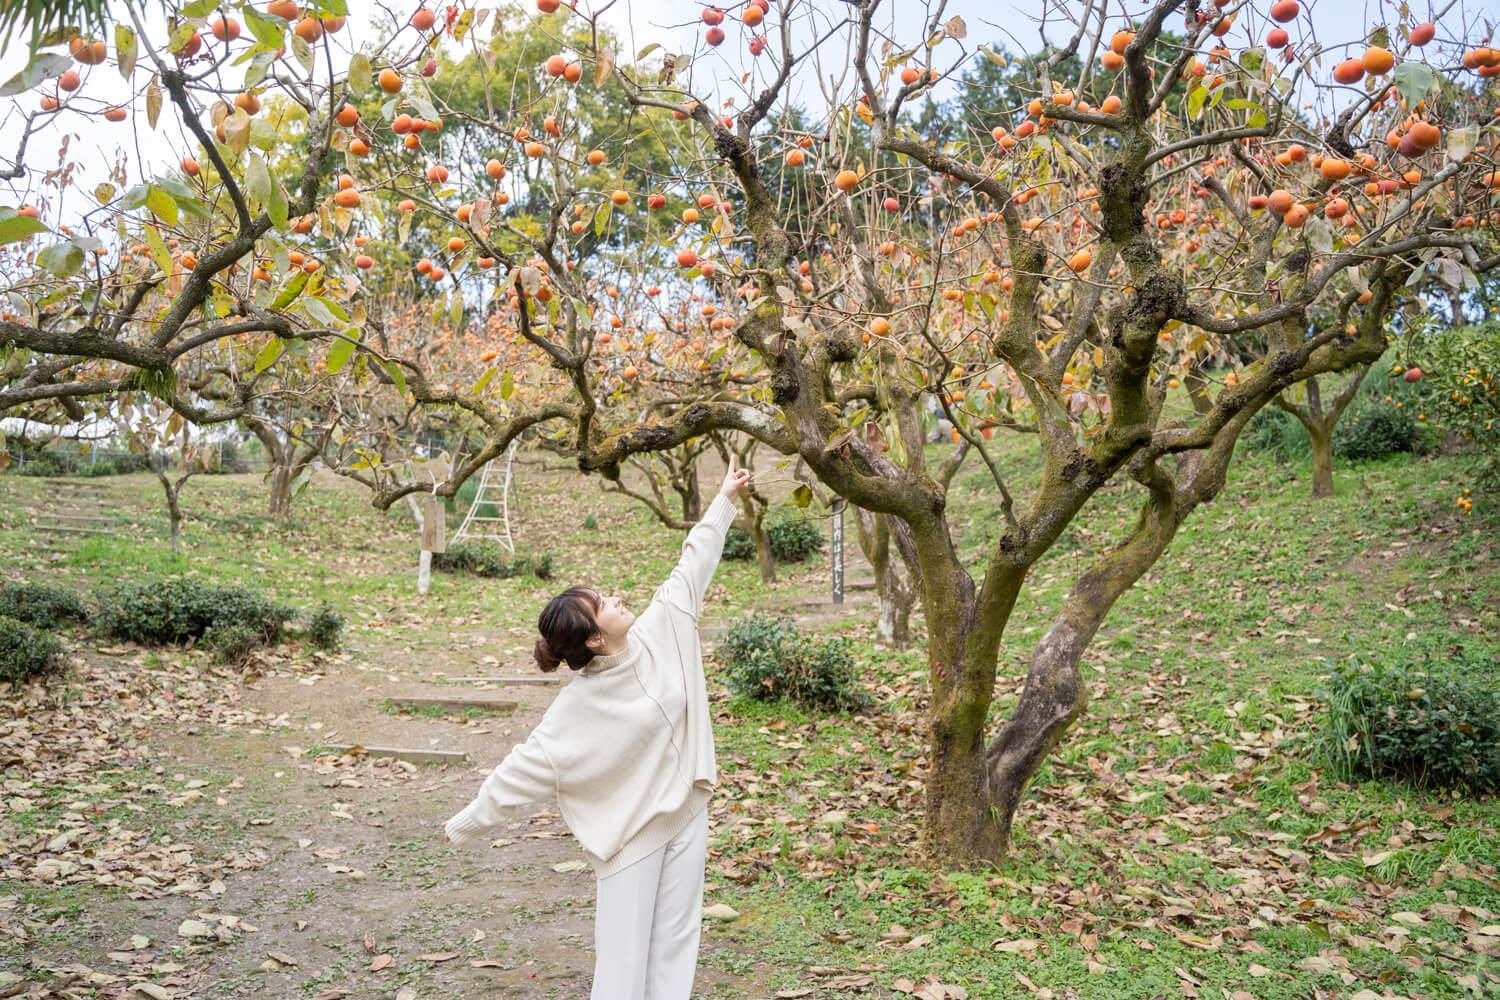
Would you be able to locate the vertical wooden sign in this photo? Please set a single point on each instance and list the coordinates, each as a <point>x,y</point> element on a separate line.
<point>838,552</point>
<point>434,539</point>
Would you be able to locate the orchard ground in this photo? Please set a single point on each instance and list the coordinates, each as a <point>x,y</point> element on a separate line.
<point>1183,841</point>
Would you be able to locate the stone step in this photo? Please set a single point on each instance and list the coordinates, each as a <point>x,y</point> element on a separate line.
<point>538,681</point>
<point>57,516</point>
<point>416,756</point>
<point>456,703</point>
<point>63,529</point>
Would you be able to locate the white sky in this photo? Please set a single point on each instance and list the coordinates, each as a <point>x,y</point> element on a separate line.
<point>1002,24</point>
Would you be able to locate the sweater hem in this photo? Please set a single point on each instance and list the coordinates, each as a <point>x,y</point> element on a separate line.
<point>652,837</point>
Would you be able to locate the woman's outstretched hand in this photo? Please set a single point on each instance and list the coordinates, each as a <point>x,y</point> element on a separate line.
<point>736,480</point>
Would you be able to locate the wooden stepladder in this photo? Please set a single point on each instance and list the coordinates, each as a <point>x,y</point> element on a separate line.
<point>494,490</point>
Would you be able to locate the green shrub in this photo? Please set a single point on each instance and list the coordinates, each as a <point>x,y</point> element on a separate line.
<point>1372,428</point>
<point>793,539</point>
<point>232,641</point>
<point>591,523</point>
<point>160,612</point>
<point>43,463</point>
<point>41,606</point>
<point>1432,725</point>
<point>1278,434</point>
<point>26,654</point>
<point>325,626</point>
<point>488,559</point>
<point>738,545</point>
<point>767,658</point>
<point>63,462</point>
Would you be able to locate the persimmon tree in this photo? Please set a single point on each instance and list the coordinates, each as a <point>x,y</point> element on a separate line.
<point>1460,367</point>
<point>1119,290</point>
<point>1120,274</point>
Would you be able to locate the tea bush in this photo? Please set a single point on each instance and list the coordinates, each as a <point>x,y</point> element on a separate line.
<point>26,653</point>
<point>60,462</point>
<point>793,539</point>
<point>738,545</point>
<point>1372,428</point>
<point>41,606</point>
<point>160,612</point>
<point>488,559</point>
<point>325,626</point>
<point>766,658</point>
<point>1431,725</point>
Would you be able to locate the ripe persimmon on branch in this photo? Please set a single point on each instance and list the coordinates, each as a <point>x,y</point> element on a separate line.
<point>822,228</point>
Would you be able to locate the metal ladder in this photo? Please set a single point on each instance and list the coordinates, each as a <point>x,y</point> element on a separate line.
<point>477,528</point>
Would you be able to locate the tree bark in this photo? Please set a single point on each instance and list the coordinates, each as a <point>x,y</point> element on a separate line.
<point>281,492</point>
<point>894,588</point>
<point>755,520</point>
<point>1321,437</point>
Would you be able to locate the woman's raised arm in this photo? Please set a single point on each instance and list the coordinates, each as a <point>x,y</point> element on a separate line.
<point>689,581</point>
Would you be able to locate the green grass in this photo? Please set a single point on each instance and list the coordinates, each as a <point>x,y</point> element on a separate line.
<point>435,712</point>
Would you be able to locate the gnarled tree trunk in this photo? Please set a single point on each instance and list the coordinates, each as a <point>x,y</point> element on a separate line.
<point>285,460</point>
<point>1319,419</point>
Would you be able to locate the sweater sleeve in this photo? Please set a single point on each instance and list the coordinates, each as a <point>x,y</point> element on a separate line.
<point>689,581</point>
<point>524,778</point>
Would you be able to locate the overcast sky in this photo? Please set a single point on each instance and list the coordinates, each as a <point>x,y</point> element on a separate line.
<point>999,24</point>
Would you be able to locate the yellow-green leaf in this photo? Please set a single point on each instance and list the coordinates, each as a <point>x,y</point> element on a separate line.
<point>268,354</point>
<point>290,292</point>
<point>159,252</point>
<point>125,50</point>
<point>359,73</point>
<point>162,205</point>
<point>393,369</point>
<point>339,354</point>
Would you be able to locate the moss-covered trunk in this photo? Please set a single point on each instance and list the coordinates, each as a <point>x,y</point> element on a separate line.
<point>1322,458</point>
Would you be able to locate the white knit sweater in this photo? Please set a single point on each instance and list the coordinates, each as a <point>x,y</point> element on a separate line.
<point>628,746</point>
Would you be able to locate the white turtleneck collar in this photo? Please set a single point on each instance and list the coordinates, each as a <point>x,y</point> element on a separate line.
<point>599,664</point>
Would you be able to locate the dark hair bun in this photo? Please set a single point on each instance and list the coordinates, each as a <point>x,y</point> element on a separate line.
<point>545,658</point>
<point>566,625</point>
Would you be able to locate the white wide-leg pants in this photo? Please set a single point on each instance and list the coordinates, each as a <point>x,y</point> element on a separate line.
<point>648,921</point>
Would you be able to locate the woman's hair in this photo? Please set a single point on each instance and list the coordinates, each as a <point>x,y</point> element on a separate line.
<point>567,624</point>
